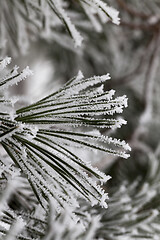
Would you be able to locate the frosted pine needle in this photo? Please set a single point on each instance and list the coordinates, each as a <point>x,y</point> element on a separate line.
<point>39,138</point>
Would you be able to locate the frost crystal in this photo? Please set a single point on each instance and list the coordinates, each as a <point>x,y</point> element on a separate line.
<point>4,62</point>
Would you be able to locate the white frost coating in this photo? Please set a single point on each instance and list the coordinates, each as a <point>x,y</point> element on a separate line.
<point>4,225</point>
<point>97,136</point>
<point>76,141</point>
<point>4,62</point>
<point>124,99</point>
<point>91,12</point>
<point>105,77</point>
<point>47,185</point>
<point>105,179</point>
<point>14,77</point>
<point>102,16</point>
<point>79,77</point>
<point>110,94</point>
<point>100,89</point>
<point>73,31</point>
<point>76,87</point>
<point>26,72</point>
<point>113,13</point>
<point>45,154</point>
<point>103,200</point>
<point>119,123</point>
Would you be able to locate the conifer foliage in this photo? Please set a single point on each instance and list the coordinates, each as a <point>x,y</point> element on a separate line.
<point>39,139</point>
<point>49,188</point>
<point>41,177</point>
<point>24,21</point>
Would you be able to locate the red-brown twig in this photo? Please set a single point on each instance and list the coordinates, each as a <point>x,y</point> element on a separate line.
<point>131,11</point>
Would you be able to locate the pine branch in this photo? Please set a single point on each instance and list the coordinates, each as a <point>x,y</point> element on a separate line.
<point>39,142</point>
<point>21,20</point>
<point>134,203</point>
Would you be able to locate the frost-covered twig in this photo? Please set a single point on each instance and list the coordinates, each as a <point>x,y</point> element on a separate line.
<point>27,20</point>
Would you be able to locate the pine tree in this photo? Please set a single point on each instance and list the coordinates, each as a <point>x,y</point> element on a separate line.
<point>50,186</point>
<point>39,165</point>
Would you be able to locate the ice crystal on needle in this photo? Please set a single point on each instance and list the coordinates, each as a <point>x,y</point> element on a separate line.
<point>38,138</point>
